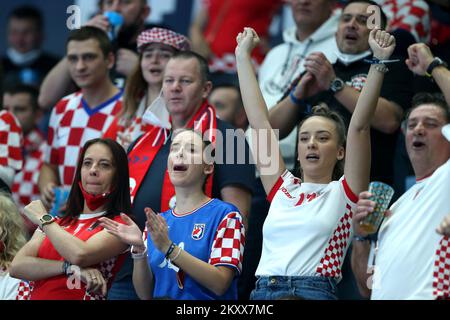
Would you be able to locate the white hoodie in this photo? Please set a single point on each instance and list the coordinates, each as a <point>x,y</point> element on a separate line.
<point>284,63</point>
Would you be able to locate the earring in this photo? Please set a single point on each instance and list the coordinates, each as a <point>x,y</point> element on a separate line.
<point>2,246</point>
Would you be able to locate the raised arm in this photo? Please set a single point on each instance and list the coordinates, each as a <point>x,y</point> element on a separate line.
<point>256,110</point>
<point>199,43</point>
<point>56,85</point>
<point>357,160</point>
<point>420,58</point>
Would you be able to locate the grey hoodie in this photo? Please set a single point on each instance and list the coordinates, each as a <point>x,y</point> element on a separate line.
<point>284,63</point>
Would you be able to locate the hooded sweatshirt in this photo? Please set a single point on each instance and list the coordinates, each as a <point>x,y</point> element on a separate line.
<point>285,62</point>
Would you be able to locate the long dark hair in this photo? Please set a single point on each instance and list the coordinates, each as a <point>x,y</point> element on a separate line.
<point>119,198</point>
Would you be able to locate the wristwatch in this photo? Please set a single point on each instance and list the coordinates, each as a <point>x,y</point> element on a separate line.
<point>337,85</point>
<point>46,219</point>
<point>437,62</point>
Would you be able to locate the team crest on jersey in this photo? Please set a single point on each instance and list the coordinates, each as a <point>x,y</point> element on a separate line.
<point>358,81</point>
<point>198,231</point>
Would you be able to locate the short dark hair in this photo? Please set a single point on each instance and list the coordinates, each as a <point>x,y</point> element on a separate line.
<point>28,13</point>
<point>235,87</point>
<point>202,62</point>
<point>437,99</point>
<point>100,3</point>
<point>32,91</point>
<point>384,19</point>
<point>119,198</point>
<point>88,32</point>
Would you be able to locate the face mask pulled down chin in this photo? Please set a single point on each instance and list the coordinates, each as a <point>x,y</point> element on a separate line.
<point>94,201</point>
<point>347,58</point>
<point>157,115</point>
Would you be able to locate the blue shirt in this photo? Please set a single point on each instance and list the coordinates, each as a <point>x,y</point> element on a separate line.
<point>213,233</point>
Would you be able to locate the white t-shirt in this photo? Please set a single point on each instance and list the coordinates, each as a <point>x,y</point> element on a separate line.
<point>8,286</point>
<point>413,261</point>
<point>308,228</point>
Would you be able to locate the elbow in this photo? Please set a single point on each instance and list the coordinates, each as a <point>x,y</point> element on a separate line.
<point>364,291</point>
<point>43,102</point>
<point>80,259</point>
<point>389,126</point>
<point>14,269</point>
<point>221,286</point>
<point>219,290</point>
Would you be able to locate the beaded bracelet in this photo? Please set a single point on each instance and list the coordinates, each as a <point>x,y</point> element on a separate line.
<point>378,61</point>
<point>177,255</point>
<point>138,256</point>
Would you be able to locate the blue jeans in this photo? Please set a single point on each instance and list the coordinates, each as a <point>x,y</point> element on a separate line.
<point>283,287</point>
<point>122,289</point>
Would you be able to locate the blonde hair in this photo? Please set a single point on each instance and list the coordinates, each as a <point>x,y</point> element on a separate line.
<point>12,230</point>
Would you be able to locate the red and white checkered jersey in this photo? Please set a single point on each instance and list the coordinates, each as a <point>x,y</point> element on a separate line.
<point>413,260</point>
<point>10,141</point>
<point>308,228</point>
<point>410,15</point>
<point>72,124</point>
<point>25,186</point>
<point>228,245</point>
<point>125,131</point>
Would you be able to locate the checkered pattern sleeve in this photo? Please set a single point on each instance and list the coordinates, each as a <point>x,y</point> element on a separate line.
<point>441,272</point>
<point>228,245</point>
<point>410,15</point>
<point>10,141</point>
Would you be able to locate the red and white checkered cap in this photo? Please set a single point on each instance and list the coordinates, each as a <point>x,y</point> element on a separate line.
<point>164,36</point>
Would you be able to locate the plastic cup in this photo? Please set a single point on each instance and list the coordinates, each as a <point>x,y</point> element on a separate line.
<point>382,195</point>
<point>115,21</point>
<point>61,195</point>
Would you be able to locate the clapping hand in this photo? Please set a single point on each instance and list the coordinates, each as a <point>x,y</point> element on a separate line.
<point>381,43</point>
<point>128,233</point>
<point>158,230</point>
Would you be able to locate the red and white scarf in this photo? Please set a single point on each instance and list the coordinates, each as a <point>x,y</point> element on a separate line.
<point>146,149</point>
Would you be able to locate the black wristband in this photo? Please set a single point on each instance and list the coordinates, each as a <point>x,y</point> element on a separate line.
<point>170,250</point>
<point>361,239</point>
<point>66,268</point>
